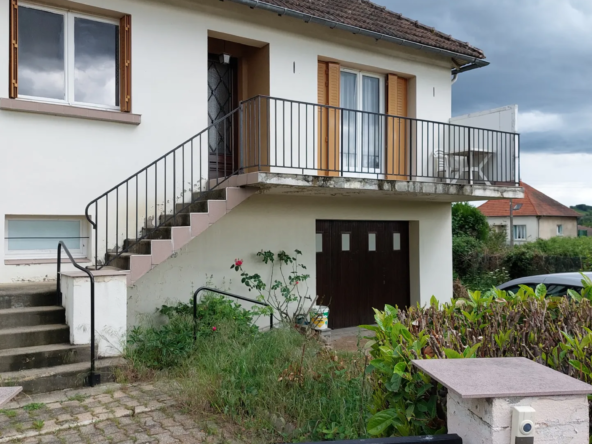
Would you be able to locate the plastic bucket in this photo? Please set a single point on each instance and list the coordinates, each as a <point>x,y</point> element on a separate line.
<point>319,317</point>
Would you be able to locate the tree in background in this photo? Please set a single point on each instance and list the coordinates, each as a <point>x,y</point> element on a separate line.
<point>586,211</point>
<point>467,220</point>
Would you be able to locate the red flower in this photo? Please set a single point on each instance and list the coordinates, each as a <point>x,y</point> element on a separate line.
<point>214,328</point>
<point>238,262</point>
<point>297,282</point>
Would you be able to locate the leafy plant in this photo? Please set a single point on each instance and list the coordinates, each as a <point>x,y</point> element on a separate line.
<point>38,425</point>
<point>553,331</point>
<point>33,406</point>
<point>168,345</point>
<point>286,290</point>
<point>467,220</point>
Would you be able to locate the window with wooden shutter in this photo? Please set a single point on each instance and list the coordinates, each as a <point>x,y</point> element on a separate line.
<point>13,55</point>
<point>329,76</point>
<point>397,129</point>
<point>125,63</point>
<point>66,57</point>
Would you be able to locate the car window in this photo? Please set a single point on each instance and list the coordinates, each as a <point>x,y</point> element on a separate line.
<point>516,288</point>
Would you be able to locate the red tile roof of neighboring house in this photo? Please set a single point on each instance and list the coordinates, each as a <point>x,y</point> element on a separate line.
<point>372,17</point>
<point>534,203</point>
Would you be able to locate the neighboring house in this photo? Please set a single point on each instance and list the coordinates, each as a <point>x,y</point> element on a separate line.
<point>319,126</point>
<point>536,216</point>
<point>584,231</point>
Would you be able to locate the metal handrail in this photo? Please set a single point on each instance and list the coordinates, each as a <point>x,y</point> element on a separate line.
<point>195,154</point>
<point>93,377</point>
<point>223,293</point>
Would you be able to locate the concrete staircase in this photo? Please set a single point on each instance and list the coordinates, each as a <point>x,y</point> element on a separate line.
<point>35,349</point>
<point>189,223</point>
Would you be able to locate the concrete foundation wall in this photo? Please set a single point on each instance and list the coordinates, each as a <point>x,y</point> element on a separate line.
<point>275,222</point>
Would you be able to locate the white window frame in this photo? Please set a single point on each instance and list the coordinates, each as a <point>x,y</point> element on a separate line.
<point>515,229</point>
<point>560,230</point>
<point>82,253</point>
<point>366,172</point>
<point>69,59</point>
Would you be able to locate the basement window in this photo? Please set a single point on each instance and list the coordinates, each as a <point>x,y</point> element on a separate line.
<point>37,238</point>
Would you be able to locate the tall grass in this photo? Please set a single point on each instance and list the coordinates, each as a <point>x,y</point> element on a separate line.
<point>278,384</point>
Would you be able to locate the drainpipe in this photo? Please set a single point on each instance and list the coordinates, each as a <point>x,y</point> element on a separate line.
<point>470,62</point>
<point>511,223</point>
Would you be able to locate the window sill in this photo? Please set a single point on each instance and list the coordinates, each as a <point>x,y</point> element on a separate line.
<point>44,261</point>
<point>52,109</point>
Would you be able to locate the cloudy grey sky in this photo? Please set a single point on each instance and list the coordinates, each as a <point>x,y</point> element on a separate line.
<point>541,59</point>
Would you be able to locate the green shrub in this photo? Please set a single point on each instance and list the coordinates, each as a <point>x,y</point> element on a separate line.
<point>554,331</point>
<point>168,345</point>
<point>467,220</point>
<point>466,255</point>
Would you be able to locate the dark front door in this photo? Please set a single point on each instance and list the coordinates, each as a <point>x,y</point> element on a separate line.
<point>221,101</point>
<point>361,266</point>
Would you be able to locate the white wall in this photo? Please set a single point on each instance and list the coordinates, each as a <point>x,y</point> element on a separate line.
<point>531,222</point>
<point>52,165</point>
<point>277,222</point>
<point>498,119</point>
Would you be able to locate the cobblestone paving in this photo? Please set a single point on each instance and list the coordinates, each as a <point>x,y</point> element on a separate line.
<point>109,413</point>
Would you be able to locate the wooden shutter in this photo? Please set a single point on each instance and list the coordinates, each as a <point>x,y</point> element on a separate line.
<point>125,63</point>
<point>329,86</point>
<point>397,150</point>
<point>13,54</point>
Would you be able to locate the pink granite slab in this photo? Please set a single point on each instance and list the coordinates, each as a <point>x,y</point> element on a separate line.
<point>500,378</point>
<point>7,393</point>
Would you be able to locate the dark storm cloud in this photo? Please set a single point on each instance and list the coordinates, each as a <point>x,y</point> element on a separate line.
<point>541,59</point>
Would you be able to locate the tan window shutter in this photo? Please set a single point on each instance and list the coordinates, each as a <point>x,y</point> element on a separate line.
<point>13,55</point>
<point>329,89</point>
<point>397,158</point>
<point>125,63</point>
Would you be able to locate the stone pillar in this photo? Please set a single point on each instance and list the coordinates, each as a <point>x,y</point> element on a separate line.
<point>482,394</point>
<point>110,309</point>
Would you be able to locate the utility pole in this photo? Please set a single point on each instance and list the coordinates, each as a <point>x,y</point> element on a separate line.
<point>511,223</point>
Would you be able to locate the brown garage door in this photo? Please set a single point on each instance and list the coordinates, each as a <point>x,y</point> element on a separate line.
<point>360,266</point>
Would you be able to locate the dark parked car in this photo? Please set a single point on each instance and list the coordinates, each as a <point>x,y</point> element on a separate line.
<point>557,284</point>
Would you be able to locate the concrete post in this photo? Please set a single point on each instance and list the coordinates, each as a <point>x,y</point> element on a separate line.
<point>482,394</point>
<point>110,309</point>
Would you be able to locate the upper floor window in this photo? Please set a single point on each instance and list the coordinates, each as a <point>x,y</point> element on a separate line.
<point>71,58</point>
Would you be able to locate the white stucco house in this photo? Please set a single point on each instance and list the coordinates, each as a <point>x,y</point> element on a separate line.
<point>536,216</point>
<point>160,140</point>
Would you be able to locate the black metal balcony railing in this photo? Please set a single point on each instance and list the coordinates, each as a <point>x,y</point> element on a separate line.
<point>291,136</point>
<point>287,136</point>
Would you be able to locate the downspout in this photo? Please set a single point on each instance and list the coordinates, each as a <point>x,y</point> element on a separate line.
<point>471,62</point>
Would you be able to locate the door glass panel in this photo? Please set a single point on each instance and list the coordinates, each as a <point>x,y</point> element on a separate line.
<point>344,241</point>
<point>319,242</point>
<point>96,62</point>
<point>371,241</point>
<point>396,241</point>
<point>41,68</point>
<point>370,123</point>
<point>349,100</point>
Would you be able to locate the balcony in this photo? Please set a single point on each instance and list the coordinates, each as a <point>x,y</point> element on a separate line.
<point>294,142</point>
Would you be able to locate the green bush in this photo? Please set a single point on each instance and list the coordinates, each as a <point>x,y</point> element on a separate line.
<point>280,384</point>
<point>554,331</point>
<point>467,220</point>
<point>467,253</point>
<point>168,345</point>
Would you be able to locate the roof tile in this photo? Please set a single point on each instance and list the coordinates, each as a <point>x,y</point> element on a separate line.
<point>372,17</point>
<point>534,203</point>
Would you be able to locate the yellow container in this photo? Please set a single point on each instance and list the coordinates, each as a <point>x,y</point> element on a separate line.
<point>319,317</point>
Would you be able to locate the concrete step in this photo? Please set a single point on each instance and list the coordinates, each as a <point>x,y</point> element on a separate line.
<point>218,194</point>
<point>25,358</point>
<point>61,377</point>
<point>27,295</point>
<point>22,317</point>
<point>33,336</point>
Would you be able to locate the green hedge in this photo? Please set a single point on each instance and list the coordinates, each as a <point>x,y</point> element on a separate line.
<point>556,332</point>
